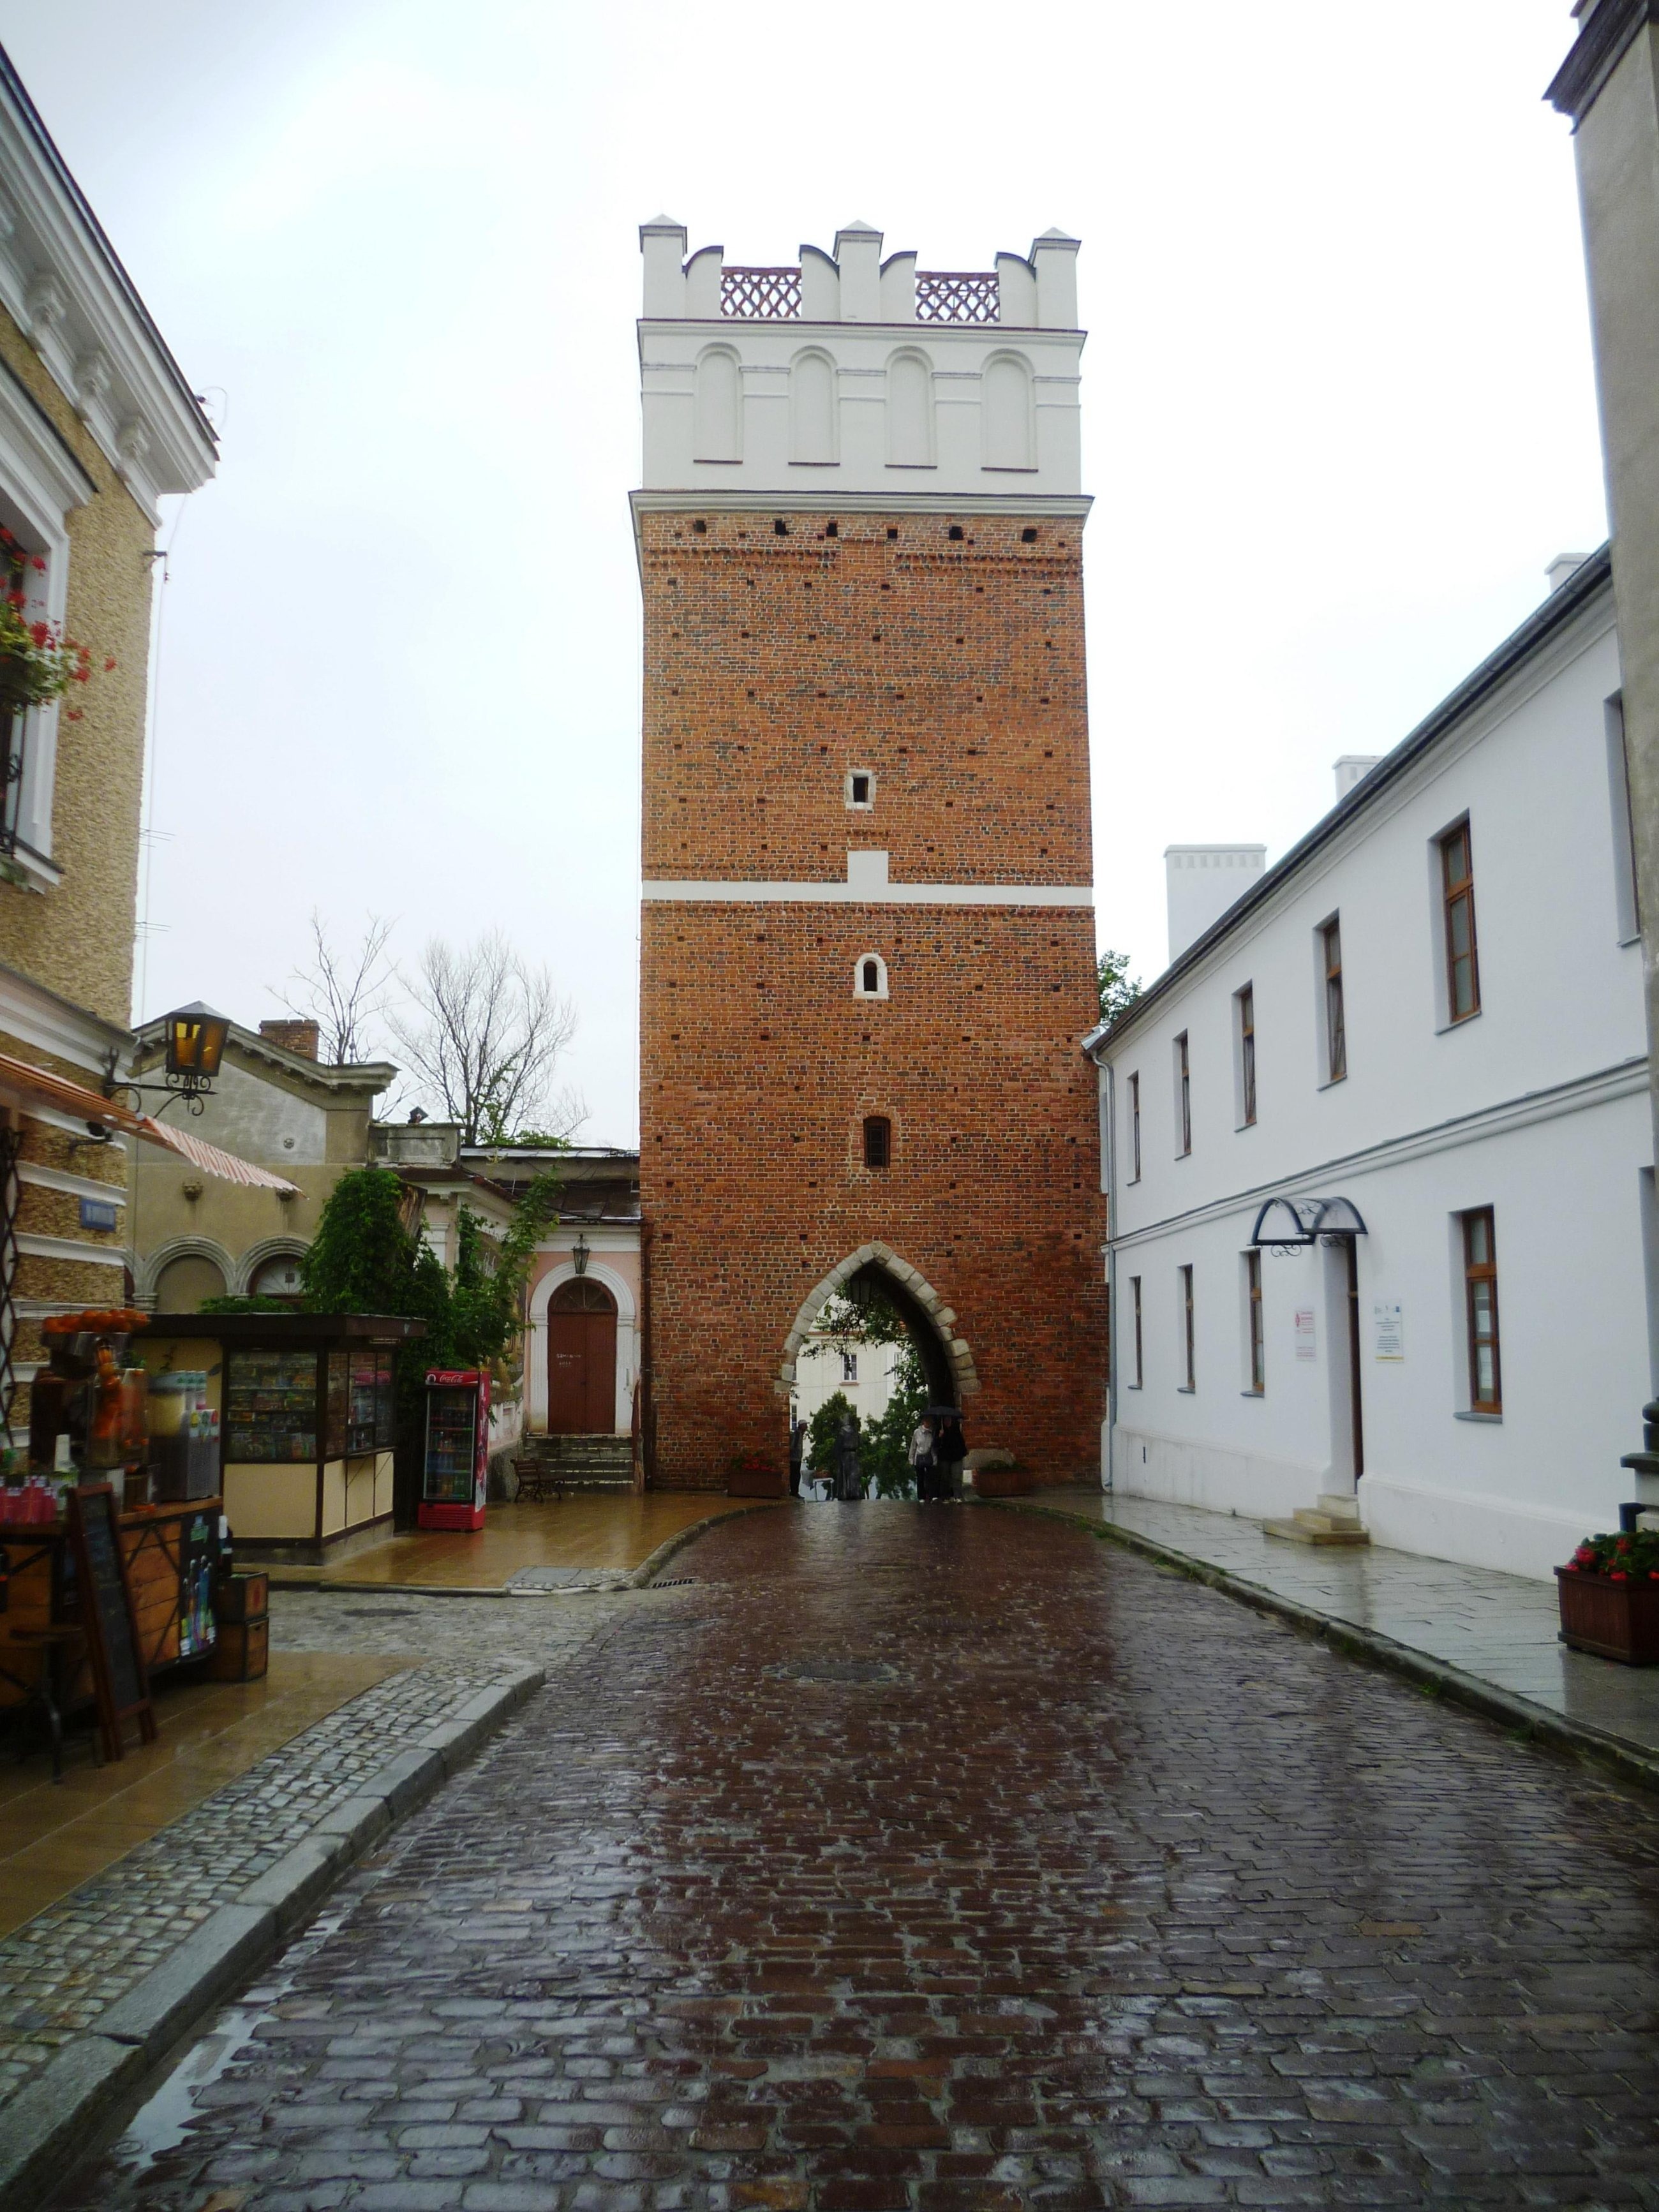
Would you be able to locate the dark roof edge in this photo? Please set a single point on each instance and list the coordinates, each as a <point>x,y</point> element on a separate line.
<point>1600,46</point>
<point>1559,609</point>
<point>18,93</point>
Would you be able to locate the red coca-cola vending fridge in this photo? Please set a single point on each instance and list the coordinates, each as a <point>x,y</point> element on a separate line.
<point>456,1474</point>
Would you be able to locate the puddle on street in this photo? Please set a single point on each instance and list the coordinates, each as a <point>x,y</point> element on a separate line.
<point>161,2124</point>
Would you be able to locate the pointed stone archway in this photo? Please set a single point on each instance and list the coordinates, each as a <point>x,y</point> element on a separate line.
<point>946,1357</point>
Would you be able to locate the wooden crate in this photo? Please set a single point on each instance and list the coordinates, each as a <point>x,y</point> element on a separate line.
<point>242,1597</point>
<point>243,1652</point>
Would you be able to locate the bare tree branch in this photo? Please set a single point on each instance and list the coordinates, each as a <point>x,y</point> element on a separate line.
<point>345,994</point>
<point>482,1035</point>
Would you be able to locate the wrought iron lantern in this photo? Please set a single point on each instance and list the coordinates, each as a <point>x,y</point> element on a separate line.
<point>579,1255</point>
<point>195,1044</point>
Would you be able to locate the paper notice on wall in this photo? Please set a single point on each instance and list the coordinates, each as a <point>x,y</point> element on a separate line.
<point>1387,1329</point>
<point>1306,1346</point>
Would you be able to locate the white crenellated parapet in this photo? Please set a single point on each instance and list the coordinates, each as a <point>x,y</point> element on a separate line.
<point>847,374</point>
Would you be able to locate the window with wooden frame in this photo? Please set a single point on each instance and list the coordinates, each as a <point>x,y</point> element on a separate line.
<point>877,1141</point>
<point>1258,1339</point>
<point>1188,1353</point>
<point>1457,891</point>
<point>1134,1312</point>
<point>1183,1075</point>
<point>1336,1019</point>
<point>1480,1295</point>
<point>1134,1129</point>
<point>1245,1002</point>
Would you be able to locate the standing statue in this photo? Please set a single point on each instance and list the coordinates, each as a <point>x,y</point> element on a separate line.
<point>849,1471</point>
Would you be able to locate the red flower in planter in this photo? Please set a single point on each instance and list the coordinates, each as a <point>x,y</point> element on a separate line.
<point>1617,1575</point>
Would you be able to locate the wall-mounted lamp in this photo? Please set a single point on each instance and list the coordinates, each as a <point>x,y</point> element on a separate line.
<point>579,1255</point>
<point>196,1043</point>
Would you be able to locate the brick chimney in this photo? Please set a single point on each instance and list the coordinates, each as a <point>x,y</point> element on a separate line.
<point>303,1037</point>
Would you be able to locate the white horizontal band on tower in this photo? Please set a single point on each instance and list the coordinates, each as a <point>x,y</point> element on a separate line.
<point>748,890</point>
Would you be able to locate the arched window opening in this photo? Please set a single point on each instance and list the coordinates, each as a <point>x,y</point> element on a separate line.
<point>1006,412</point>
<point>278,1278</point>
<point>870,976</point>
<point>877,1141</point>
<point>718,408</point>
<point>909,413</point>
<point>813,412</point>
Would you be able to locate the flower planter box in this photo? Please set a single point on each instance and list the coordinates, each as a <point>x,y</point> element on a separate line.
<point>754,1482</point>
<point>1616,1620</point>
<point>1003,1482</point>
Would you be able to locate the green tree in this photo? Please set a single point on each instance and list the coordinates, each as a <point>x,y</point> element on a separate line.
<point>822,1430</point>
<point>1117,993</point>
<point>886,1449</point>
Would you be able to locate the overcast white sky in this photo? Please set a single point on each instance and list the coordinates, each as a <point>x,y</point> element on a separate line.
<point>1338,404</point>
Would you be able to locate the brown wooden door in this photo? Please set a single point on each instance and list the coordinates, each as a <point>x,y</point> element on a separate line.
<point>582,1361</point>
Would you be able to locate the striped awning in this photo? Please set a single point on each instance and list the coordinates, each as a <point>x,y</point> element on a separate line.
<point>25,1083</point>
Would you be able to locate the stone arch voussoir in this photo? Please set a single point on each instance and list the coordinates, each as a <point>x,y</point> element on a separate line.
<point>917,1290</point>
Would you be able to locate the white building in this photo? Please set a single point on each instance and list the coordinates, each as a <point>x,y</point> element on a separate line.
<point>863,1373</point>
<point>1428,1015</point>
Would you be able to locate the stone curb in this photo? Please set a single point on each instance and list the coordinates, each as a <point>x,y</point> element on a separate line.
<point>1631,1762</point>
<point>52,2120</point>
<point>644,1574</point>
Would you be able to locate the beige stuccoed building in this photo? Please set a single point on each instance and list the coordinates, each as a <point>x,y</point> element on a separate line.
<point>97,424</point>
<point>195,1237</point>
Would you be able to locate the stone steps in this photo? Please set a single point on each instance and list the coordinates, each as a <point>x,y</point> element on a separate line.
<point>1331,1521</point>
<point>589,1463</point>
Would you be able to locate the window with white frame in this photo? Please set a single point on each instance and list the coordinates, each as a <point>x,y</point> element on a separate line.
<point>870,976</point>
<point>1333,1013</point>
<point>849,1367</point>
<point>1244,1057</point>
<point>1137,1351</point>
<point>1255,1336</point>
<point>1183,1097</point>
<point>1627,903</point>
<point>1134,1128</point>
<point>1188,1349</point>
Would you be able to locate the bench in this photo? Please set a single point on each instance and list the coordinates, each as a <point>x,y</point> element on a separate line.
<point>536,1478</point>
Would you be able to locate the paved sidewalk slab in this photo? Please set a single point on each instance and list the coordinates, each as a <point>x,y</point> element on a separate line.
<point>592,1541</point>
<point>1473,1626</point>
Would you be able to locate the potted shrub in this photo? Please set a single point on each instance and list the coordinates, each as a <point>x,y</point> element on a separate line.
<point>1610,1595</point>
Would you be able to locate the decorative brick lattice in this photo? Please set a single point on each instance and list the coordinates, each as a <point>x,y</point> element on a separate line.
<point>761,295</point>
<point>957,295</point>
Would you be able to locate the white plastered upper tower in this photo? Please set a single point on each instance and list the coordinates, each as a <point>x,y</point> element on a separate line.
<point>849,380</point>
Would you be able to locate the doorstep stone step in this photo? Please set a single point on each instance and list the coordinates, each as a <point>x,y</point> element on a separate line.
<point>1312,1528</point>
<point>1338,1507</point>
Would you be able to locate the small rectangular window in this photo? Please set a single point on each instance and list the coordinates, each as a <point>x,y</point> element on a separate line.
<point>849,1367</point>
<point>1457,888</point>
<point>1134,1129</point>
<point>1258,1341</point>
<point>1188,1357</point>
<point>1481,1291</point>
<point>1135,1304</point>
<point>1245,1002</point>
<point>878,1141</point>
<point>1336,1020</point>
<point>1183,1096</point>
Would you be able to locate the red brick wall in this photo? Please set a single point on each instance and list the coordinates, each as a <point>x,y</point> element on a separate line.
<point>954,671</point>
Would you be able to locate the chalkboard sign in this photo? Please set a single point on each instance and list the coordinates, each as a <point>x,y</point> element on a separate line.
<point>119,1677</point>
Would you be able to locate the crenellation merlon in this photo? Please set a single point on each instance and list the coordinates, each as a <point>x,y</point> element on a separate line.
<point>850,372</point>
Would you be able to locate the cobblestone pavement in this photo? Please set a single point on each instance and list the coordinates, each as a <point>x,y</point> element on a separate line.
<point>63,1968</point>
<point>946,1859</point>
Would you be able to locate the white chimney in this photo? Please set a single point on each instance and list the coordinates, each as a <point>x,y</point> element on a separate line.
<point>1564,569</point>
<point>1204,881</point>
<point>1352,768</point>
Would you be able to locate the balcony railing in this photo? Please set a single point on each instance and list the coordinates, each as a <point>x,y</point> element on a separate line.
<point>955,295</point>
<point>761,295</point>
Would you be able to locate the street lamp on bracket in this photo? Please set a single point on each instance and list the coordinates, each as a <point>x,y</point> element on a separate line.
<point>196,1043</point>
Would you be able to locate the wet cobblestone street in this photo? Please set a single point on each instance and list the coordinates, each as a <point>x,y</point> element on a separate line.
<point>944,1858</point>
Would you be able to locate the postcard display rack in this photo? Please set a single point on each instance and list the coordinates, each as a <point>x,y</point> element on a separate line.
<point>456,1469</point>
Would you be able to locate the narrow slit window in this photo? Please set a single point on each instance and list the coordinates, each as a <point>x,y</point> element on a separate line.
<point>1183,1097</point>
<point>872,976</point>
<point>1189,1359</point>
<point>1247,1056</point>
<point>1134,1130</point>
<point>1336,1019</point>
<point>1258,1336</point>
<point>1480,1291</point>
<point>878,1141</point>
<point>1134,1306</point>
<point>1463,964</point>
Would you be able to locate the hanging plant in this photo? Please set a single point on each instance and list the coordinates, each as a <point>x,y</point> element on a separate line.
<point>38,662</point>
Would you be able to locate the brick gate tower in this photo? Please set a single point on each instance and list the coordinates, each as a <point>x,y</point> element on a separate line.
<point>867,938</point>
